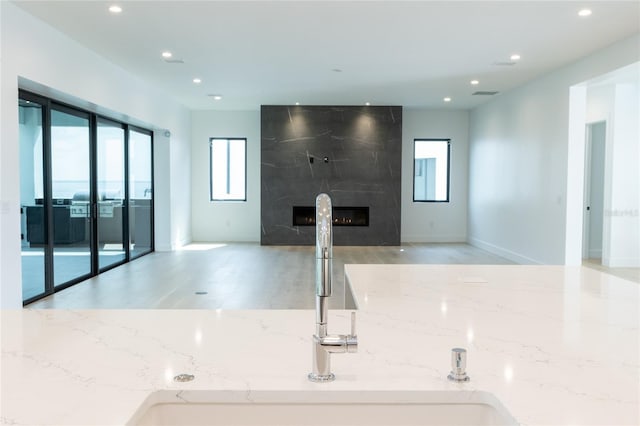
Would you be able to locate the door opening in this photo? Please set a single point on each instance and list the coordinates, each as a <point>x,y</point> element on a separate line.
<point>594,191</point>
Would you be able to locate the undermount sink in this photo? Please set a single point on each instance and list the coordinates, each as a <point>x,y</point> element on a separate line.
<point>334,408</point>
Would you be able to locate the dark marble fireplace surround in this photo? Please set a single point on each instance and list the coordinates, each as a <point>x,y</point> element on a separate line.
<point>352,153</point>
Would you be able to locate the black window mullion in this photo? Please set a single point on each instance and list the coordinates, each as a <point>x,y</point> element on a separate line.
<point>47,198</point>
<point>152,202</point>
<point>93,193</point>
<point>126,240</point>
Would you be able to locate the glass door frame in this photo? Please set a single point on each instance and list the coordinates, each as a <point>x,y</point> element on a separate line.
<point>47,199</point>
<point>125,202</point>
<point>149,133</point>
<point>66,109</point>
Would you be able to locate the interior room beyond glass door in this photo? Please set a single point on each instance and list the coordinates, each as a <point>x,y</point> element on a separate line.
<point>33,230</point>
<point>71,189</point>
<point>111,193</point>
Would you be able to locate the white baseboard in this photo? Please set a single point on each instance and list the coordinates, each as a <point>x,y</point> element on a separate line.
<point>433,238</point>
<point>622,262</point>
<point>184,242</point>
<point>595,254</point>
<point>507,254</point>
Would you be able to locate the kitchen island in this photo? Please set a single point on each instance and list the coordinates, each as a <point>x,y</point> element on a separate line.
<point>555,345</point>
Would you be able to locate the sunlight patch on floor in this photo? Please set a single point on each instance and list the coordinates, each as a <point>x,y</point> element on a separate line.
<point>201,247</point>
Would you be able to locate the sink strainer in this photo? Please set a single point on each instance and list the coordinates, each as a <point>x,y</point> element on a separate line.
<point>184,378</point>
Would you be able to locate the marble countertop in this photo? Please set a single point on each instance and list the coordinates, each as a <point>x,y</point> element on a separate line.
<point>556,345</point>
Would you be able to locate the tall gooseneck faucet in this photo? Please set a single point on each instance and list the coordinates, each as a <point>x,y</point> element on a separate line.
<point>323,343</point>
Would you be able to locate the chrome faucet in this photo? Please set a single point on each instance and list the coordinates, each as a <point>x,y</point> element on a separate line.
<point>323,343</point>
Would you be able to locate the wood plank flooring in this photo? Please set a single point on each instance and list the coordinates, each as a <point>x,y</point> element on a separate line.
<point>250,276</point>
<point>631,274</point>
<point>241,276</point>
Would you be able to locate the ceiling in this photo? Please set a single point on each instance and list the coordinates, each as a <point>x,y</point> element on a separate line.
<point>410,53</point>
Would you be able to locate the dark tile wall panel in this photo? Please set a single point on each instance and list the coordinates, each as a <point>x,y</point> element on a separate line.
<point>364,148</point>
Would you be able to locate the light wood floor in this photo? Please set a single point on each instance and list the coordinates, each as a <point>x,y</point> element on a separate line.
<point>241,276</point>
<point>631,274</point>
<point>247,276</point>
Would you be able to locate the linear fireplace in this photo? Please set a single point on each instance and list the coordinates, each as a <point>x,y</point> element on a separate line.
<point>342,216</point>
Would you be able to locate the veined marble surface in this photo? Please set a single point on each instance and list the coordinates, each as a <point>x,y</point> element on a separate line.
<point>556,345</point>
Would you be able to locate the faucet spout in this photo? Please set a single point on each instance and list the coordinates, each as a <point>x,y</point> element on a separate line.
<point>323,343</point>
<point>324,245</point>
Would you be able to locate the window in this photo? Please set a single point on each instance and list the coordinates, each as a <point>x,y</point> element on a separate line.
<point>228,169</point>
<point>431,170</point>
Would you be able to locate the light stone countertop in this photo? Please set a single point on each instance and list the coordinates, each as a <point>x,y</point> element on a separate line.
<point>556,345</point>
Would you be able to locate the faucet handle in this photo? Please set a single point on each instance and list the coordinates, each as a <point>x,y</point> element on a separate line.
<point>352,340</point>
<point>353,323</point>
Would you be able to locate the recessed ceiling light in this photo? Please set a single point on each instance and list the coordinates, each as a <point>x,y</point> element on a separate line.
<point>197,81</point>
<point>297,103</point>
<point>216,97</point>
<point>115,9</point>
<point>515,57</point>
<point>475,82</point>
<point>367,103</point>
<point>167,54</point>
<point>584,12</point>
<point>447,99</point>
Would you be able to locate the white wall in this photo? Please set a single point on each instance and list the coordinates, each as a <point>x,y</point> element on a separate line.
<point>44,60</point>
<point>436,222</point>
<point>616,101</point>
<point>225,221</point>
<point>518,162</point>
<point>237,221</point>
<point>599,103</point>
<point>621,214</point>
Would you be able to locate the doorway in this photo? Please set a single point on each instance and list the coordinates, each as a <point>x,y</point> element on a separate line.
<point>592,240</point>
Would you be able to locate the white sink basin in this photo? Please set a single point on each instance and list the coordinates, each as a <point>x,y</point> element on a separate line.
<point>333,408</point>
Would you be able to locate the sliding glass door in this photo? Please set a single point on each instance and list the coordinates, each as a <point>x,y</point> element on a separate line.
<point>111,193</point>
<point>33,229</point>
<point>86,194</point>
<point>140,192</point>
<point>71,195</point>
